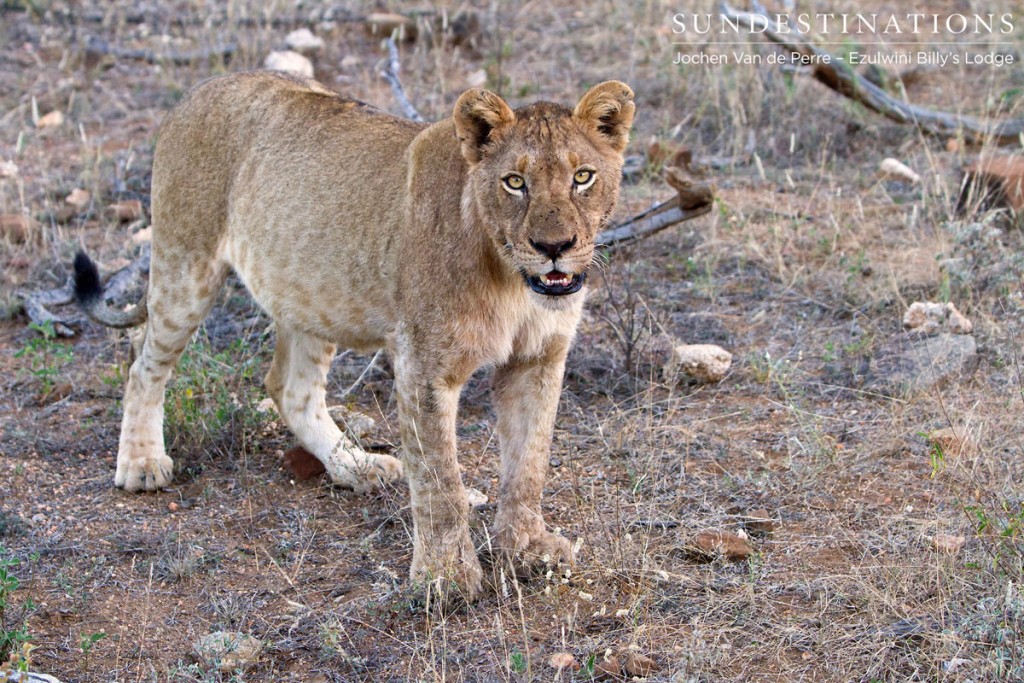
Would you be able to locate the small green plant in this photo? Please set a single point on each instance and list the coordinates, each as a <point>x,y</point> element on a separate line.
<point>517,662</point>
<point>935,454</point>
<point>211,399</point>
<point>86,643</point>
<point>13,636</point>
<point>45,356</point>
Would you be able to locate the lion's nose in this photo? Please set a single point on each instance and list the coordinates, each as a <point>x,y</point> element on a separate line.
<point>554,249</point>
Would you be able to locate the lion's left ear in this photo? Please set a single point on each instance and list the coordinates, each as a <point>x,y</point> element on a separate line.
<point>477,114</point>
<point>608,107</point>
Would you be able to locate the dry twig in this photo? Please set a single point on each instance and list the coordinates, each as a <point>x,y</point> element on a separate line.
<point>390,73</point>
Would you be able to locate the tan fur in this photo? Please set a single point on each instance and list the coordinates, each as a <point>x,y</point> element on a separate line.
<point>352,227</point>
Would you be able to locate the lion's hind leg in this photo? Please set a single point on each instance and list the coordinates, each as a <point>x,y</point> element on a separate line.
<point>297,382</point>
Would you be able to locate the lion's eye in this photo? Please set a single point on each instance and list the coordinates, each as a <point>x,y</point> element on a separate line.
<point>583,179</point>
<point>515,184</point>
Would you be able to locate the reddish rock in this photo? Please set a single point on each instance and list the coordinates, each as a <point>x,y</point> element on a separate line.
<point>302,464</point>
<point>712,542</point>
<point>759,521</point>
<point>128,210</point>
<point>640,666</point>
<point>19,229</point>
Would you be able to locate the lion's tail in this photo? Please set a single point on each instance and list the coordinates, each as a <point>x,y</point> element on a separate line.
<point>89,295</point>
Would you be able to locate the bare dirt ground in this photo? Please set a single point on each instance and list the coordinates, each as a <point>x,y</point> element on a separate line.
<point>803,271</point>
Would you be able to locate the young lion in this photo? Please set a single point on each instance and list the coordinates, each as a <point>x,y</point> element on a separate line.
<point>456,245</point>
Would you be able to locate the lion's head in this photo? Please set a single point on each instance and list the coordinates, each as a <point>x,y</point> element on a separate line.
<point>544,178</point>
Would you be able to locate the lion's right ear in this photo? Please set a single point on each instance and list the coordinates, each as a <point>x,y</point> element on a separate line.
<point>477,114</point>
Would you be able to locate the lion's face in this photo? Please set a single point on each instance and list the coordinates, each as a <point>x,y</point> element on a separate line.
<point>545,179</point>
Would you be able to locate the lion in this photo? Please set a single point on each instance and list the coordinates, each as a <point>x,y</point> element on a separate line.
<point>454,245</point>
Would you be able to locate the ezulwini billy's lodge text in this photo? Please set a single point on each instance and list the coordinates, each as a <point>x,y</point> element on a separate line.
<point>856,58</point>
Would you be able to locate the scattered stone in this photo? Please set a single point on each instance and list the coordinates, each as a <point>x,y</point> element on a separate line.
<point>385,24</point>
<point>993,182</point>
<point>952,442</point>
<point>713,542</point>
<point>143,236</point>
<point>304,42</point>
<point>302,464</point>
<point>349,62</point>
<point>704,362</point>
<point>52,120</point>
<point>8,169</point>
<point>948,543</point>
<point>289,61</point>
<point>476,79</point>
<point>267,406</point>
<point>355,424</point>
<point>913,365</point>
<point>29,677</point>
<point>475,497</point>
<point>640,666</point>
<point>929,317</point>
<point>952,145</point>
<point>126,211</point>
<point>759,521</point>
<point>897,170</point>
<point>228,650</point>
<point>562,660</point>
<point>16,228</point>
<point>957,322</point>
<point>608,668</point>
<point>79,199</point>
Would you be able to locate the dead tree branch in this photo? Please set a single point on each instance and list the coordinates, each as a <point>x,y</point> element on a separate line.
<point>831,71</point>
<point>36,303</point>
<point>101,47</point>
<point>692,199</point>
<point>390,73</point>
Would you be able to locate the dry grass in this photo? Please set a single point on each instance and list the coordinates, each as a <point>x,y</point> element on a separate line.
<point>803,272</point>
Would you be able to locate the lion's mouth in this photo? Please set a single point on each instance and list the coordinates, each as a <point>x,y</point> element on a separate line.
<point>556,283</point>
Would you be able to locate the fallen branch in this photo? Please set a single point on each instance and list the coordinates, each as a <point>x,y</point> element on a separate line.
<point>831,71</point>
<point>390,73</point>
<point>692,199</point>
<point>101,47</point>
<point>36,303</point>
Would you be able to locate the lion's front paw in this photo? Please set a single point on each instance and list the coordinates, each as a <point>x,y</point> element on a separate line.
<point>450,575</point>
<point>535,549</point>
<point>147,473</point>
<point>366,472</point>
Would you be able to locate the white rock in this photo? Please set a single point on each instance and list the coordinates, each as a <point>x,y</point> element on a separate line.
<point>8,169</point>
<point>143,236</point>
<point>290,62</point>
<point>228,650</point>
<point>302,40</point>
<point>930,317</point>
<point>475,497</point>
<point>891,168</point>
<point>957,322</point>
<point>703,362</point>
<point>925,316</point>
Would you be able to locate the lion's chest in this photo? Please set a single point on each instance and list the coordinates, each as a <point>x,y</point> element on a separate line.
<point>513,328</point>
